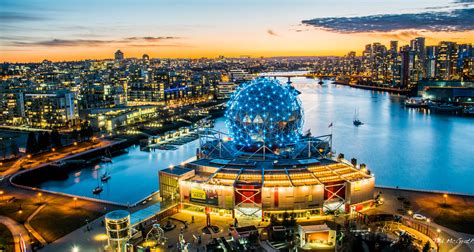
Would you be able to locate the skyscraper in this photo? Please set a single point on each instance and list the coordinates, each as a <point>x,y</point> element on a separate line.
<point>446,60</point>
<point>118,55</point>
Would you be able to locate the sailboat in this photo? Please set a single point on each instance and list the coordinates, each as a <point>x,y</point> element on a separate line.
<point>356,120</point>
<point>98,189</point>
<point>105,176</point>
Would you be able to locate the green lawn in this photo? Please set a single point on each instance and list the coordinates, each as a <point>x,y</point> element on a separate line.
<point>54,221</point>
<point>13,210</point>
<point>6,239</point>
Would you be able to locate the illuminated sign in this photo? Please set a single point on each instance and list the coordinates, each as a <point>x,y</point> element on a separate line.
<point>203,195</point>
<point>357,186</point>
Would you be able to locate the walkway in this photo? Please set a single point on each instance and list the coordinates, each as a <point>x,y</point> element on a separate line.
<point>17,231</point>
<point>32,230</point>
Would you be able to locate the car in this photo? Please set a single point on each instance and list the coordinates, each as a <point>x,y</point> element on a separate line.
<point>419,217</point>
<point>399,232</point>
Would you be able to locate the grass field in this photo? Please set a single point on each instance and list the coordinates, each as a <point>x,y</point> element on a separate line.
<point>6,239</point>
<point>55,221</point>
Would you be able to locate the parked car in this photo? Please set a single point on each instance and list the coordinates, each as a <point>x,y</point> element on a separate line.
<point>419,217</point>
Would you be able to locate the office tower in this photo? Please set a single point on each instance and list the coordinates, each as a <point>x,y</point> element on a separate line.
<point>405,66</point>
<point>119,55</point>
<point>446,60</point>
<point>430,64</point>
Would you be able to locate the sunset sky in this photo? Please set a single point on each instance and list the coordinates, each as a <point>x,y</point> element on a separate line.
<point>33,30</point>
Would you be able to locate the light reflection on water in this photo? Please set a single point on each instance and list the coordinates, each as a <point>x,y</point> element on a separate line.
<point>403,147</point>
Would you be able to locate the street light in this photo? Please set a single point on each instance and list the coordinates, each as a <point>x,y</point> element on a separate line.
<point>40,196</point>
<point>1,193</point>
<point>75,200</point>
<point>445,196</point>
<point>438,239</point>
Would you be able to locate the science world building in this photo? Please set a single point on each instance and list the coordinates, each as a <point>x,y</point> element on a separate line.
<point>265,165</point>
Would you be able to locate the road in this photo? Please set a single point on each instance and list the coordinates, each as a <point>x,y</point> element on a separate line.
<point>17,231</point>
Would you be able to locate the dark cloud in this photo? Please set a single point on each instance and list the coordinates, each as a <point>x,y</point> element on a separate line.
<point>152,39</point>
<point>14,17</point>
<point>401,35</point>
<point>271,32</point>
<point>449,21</point>
<point>64,42</point>
<point>91,42</point>
<point>158,45</point>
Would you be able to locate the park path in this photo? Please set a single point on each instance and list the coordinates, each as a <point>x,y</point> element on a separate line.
<point>31,229</point>
<point>18,231</point>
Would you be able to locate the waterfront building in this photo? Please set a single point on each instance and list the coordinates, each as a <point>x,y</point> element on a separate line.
<point>225,89</point>
<point>117,226</point>
<point>447,91</point>
<point>266,165</point>
<point>110,119</point>
<point>49,110</point>
<point>239,75</point>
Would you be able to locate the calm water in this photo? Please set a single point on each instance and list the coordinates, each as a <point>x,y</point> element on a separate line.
<point>403,147</point>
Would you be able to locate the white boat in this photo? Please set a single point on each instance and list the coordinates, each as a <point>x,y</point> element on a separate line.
<point>469,111</point>
<point>445,107</point>
<point>105,177</point>
<point>58,164</point>
<point>97,190</point>
<point>106,160</point>
<point>356,120</point>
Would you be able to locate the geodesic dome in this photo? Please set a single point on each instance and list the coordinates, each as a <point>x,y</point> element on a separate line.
<point>264,111</point>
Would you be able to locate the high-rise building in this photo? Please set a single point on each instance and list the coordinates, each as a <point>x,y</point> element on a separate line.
<point>405,66</point>
<point>118,55</point>
<point>430,64</point>
<point>446,60</point>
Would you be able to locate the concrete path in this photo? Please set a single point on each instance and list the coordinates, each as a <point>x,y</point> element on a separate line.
<point>31,229</point>
<point>17,231</point>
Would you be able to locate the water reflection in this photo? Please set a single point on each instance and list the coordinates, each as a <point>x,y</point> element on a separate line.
<point>409,148</point>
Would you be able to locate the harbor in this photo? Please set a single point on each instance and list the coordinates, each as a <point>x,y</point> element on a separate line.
<point>170,140</point>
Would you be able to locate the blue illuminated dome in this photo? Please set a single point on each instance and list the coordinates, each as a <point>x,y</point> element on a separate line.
<point>264,111</point>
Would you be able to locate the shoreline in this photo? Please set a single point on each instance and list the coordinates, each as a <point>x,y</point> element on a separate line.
<point>374,88</point>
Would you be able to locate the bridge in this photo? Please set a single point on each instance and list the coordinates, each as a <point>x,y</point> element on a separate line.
<point>290,75</point>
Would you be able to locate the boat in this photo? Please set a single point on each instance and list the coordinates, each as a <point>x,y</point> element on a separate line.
<point>416,102</point>
<point>356,120</point>
<point>445,107</point>
<point>469,111</point>
<point>97,190</point>
<point>106,159</point>
<point>320,82</point>
<point>58,163</point>
<point>105,177</point>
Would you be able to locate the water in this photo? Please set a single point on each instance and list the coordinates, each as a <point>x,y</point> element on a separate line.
<point>403,147</point>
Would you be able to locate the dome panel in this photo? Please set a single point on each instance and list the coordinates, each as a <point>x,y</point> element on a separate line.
<point>264,111</point>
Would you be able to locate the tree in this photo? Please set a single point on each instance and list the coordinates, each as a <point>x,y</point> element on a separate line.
<point>427,247</point>
<point>31,143</point>
<point>13,148</point>
<point>75,135</point>
<point>47,139</point>
<point>56,138</point>
<point>44,141</point>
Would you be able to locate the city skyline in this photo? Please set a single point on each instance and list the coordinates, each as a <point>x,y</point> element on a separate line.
<point>55,31</point>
